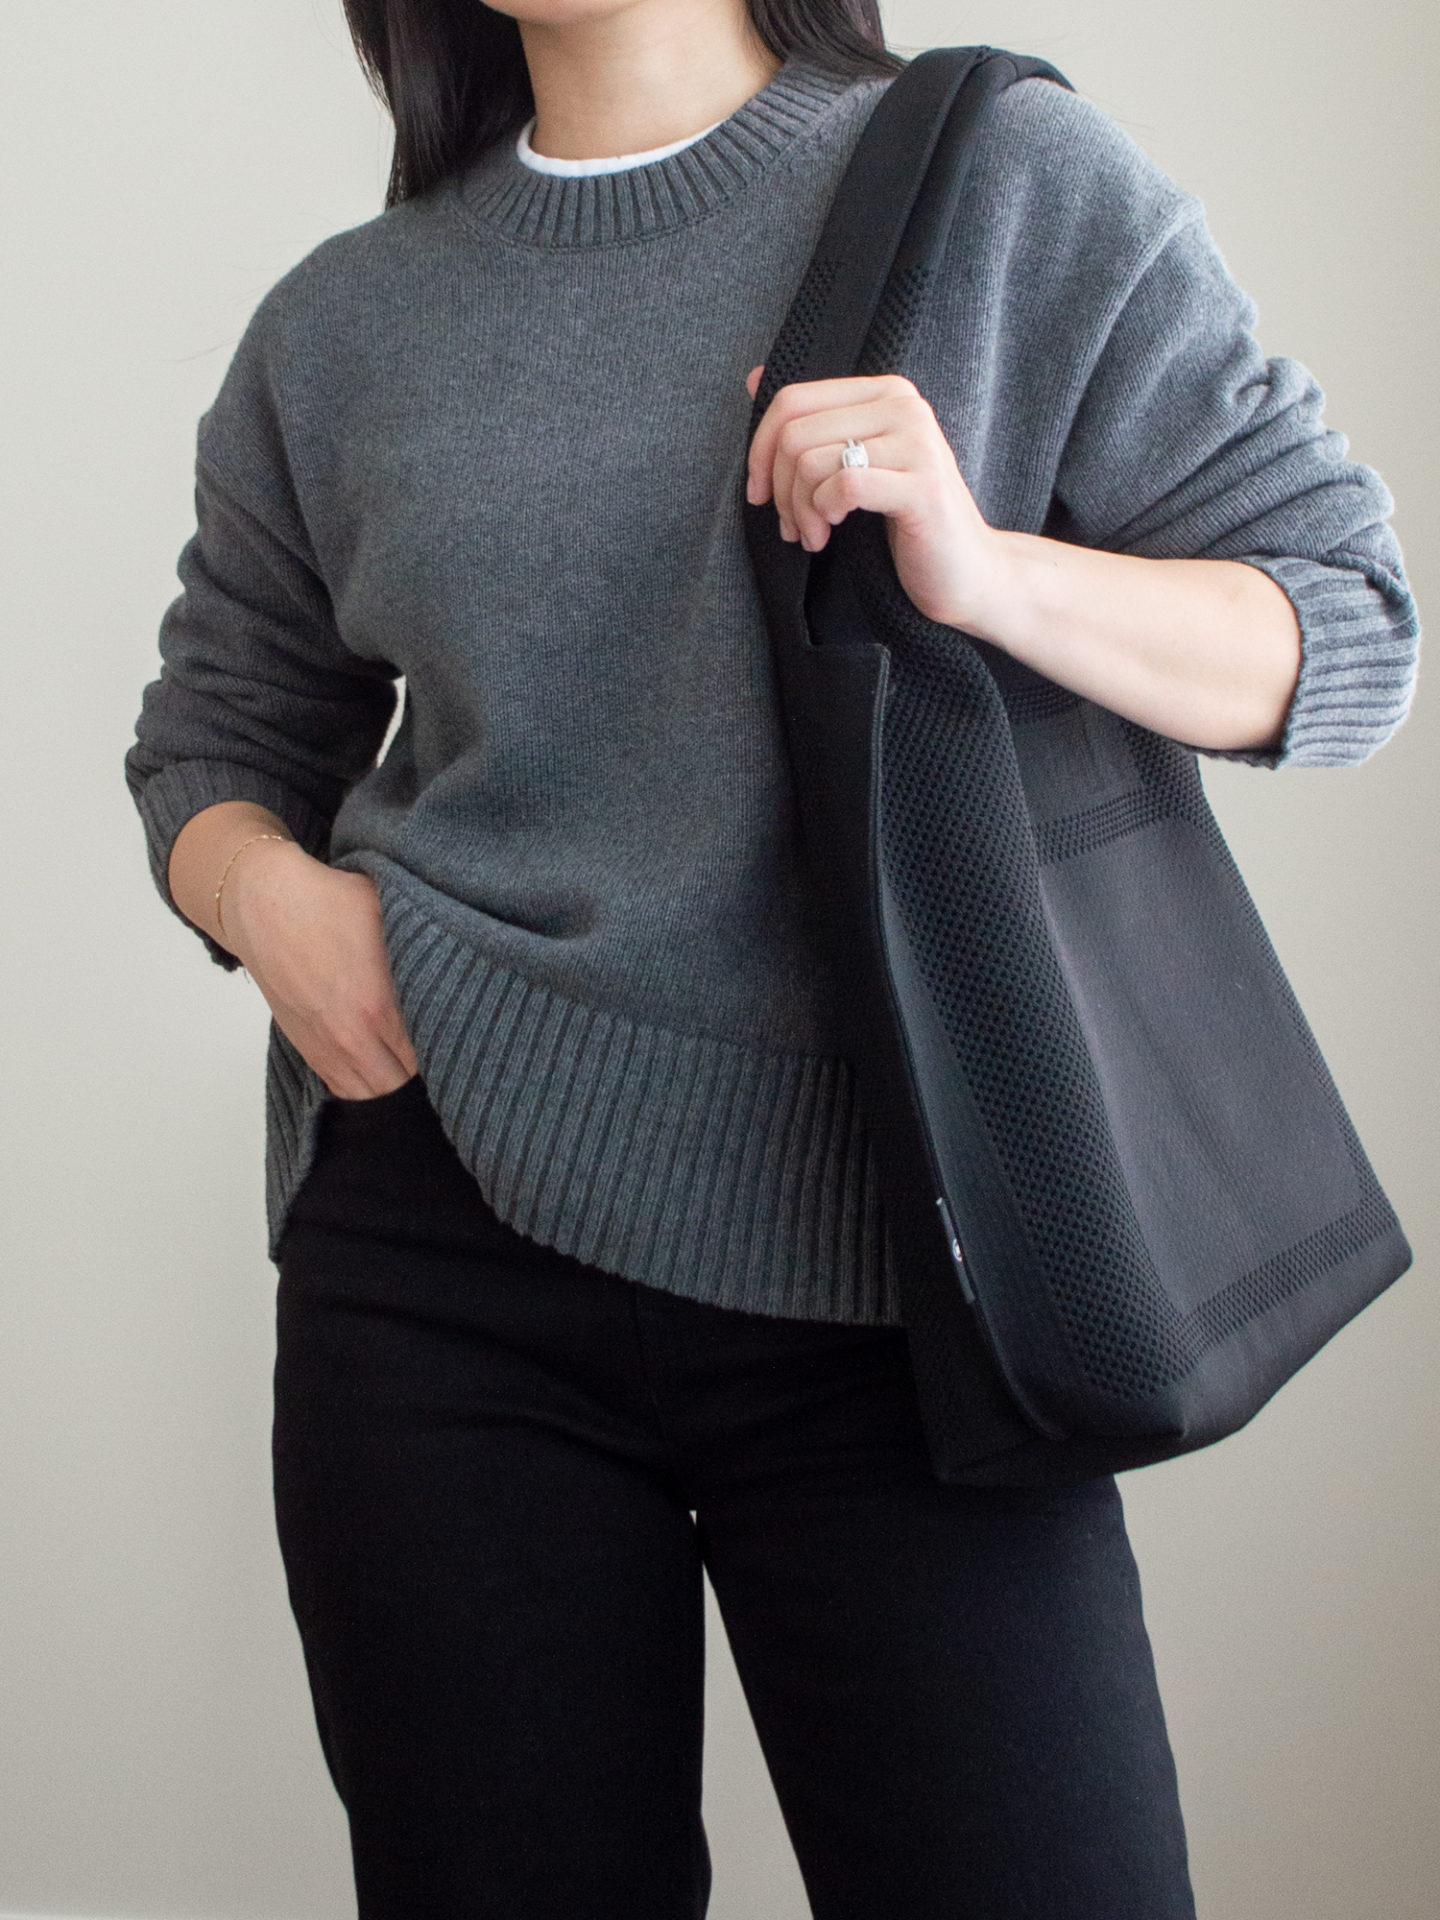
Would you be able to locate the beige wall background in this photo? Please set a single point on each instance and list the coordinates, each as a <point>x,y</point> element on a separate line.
<point>164,162</point>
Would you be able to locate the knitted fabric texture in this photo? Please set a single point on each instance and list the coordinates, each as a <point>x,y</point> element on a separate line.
<point>493,442</point>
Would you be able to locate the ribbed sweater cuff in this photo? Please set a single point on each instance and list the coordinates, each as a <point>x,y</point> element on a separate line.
<point>176,793</point>
<point>1359,638</point>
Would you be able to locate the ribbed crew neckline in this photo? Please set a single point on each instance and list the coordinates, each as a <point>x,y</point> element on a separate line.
<point>599,209</point>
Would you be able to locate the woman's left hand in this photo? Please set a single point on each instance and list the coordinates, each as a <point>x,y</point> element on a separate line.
<point>945,553</point>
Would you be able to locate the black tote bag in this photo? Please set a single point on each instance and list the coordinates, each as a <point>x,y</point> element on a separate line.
<point>1126,1199</point>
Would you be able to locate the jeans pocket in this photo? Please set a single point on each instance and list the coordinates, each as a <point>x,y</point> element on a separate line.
<point>361,1163</point>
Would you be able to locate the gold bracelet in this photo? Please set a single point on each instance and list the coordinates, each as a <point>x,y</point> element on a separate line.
<point>219,914</point>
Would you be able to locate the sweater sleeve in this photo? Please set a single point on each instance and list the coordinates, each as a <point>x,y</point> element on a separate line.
<point>257,698</point>
<point>1190,443</point>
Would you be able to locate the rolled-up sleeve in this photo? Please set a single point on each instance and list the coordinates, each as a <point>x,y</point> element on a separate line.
<point>1190,443</point>
<point>257,698</point>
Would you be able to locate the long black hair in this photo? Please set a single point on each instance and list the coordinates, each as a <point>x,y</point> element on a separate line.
<point>452,73</point>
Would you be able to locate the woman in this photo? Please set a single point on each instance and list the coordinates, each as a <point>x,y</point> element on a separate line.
<point>584,1283</point>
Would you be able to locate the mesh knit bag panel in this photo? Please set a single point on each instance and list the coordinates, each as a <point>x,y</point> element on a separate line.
<point>970,869</point>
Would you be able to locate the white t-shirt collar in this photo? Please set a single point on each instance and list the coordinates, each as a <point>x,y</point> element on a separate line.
<point>615,163</point>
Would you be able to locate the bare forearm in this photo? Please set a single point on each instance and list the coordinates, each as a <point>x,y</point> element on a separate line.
<point>1206,651</point>
<point>202,850</point>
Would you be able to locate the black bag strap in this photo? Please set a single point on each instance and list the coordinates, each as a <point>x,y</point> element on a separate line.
<point>862,293</point>
<point>889,219</point>
<point>894,206</point>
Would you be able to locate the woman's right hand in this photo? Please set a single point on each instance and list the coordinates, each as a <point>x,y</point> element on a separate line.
<point>310,938</point>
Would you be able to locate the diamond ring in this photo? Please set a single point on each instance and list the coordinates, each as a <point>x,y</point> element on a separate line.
<point>854,454</point>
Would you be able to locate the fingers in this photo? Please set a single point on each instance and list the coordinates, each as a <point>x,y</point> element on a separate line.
<point>395,1075</point>
<point>797,447</point>
<point>317,954</point>
<point>902,497</point>
<point>808,453</point>
<point>360,1042</point>
<point>353,1064</point>
<point>363,1070</point>
<point>392,1033</point>
<point>819,491</point>
<point>358,1049</point>
<point>810,412</point>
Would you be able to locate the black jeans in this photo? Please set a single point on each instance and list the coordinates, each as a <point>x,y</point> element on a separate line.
<point>498,1475</point>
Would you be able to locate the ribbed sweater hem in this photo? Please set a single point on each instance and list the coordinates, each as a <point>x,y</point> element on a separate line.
<point>725,1173</point>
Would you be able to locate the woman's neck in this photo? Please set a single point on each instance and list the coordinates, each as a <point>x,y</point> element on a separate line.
<point>641,76</point>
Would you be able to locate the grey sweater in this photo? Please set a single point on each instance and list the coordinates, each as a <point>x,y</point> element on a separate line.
<point>493,441</point>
